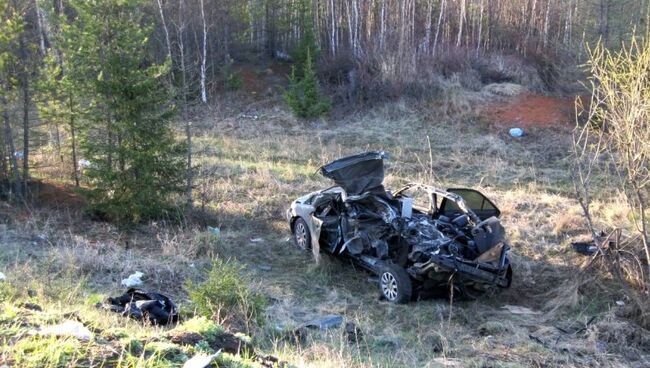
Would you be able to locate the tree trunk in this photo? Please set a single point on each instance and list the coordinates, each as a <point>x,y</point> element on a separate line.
<point>181,46</point>
<point>427,33</point>
<point>435,39</point>
<point>73,137</point>
<point>24,83</point>
<point>461,22</point>
<point>9,138</point>
<point>204,95</point>
<point>480,29</point>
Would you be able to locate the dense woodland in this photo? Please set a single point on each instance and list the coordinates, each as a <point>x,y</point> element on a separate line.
<point>105,85</point>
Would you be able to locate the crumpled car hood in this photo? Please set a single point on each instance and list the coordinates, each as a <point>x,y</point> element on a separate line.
<point>357,174</point>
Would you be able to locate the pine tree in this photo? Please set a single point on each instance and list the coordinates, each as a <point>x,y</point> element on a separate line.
<point>304,96</point>
<point>136,163</point>
<point>11,25</point>
<point>307,45</point>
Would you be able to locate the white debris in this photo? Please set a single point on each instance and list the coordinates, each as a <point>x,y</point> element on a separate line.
<point>214,230</point>
<point>83,163</point>
<point>516,132</point>
<point>67,328</point>
<point>257,240</point>
<point>515,309</point>
<point>620,303</point>
<point>133,280</point>
<point>2,276</point>
<point>200,360</point>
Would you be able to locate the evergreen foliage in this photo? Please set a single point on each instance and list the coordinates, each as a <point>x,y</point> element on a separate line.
<point>136,163</point>
<point>308,45</point>
<point>304,96</point>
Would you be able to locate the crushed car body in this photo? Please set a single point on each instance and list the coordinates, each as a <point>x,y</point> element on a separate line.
<point>417,238</point>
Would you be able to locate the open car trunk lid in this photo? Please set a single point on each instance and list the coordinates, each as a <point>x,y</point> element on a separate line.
<point>357,174</point>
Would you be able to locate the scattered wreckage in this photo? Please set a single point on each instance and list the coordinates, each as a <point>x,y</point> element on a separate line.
<point>417,238</point>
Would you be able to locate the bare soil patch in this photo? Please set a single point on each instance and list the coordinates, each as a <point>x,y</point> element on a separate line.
<point>529,110</point>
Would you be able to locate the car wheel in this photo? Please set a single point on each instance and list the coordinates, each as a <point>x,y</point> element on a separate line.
<point>301,234</point>
<point>395,284</point>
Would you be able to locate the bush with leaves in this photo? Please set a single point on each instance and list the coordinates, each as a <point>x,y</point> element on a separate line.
<point>615,142</point>
<point>226,297</point>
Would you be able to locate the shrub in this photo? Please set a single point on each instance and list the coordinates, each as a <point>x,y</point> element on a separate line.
<point>304,96</point>
<point>234,81</point>
<point>225,295</point>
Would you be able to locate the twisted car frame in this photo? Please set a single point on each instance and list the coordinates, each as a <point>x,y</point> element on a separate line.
<point>415,239</point>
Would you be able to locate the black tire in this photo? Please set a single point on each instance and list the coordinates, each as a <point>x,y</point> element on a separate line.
<point>301,234</point>
<point>395,284</point>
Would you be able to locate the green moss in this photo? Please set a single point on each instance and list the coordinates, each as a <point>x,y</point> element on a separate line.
<point>165,350</point>
<point>226,360</point>
<point>41,352</point>
<point>203,326</point>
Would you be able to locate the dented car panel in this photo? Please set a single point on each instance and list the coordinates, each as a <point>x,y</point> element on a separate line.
<point>409,243</point>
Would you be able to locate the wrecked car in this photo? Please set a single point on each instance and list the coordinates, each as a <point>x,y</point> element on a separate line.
<point>414,239</point>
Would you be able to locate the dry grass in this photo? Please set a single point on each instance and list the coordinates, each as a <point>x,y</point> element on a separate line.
<point>255,158</point>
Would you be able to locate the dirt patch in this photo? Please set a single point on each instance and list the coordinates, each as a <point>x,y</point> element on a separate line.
<point>530,110</point>
<point>258,80</point>
<point>54,195</point>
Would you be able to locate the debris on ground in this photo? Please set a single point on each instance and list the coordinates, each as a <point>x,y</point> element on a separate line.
<point>214,230</point>
<point>67,328</point>
<point>257,240</point>
<point>133,280</point>
<point>585,248</point>
<point>325,322</point>
<point>31,306</point>
<point>2,276</point>
<point>155,308</point>
<point>353,333</point>
<point>515,309</point>
<point>200,360</point>
<point>516,132</point>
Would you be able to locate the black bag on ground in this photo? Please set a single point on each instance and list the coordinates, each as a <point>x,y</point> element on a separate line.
<point>156,308</point>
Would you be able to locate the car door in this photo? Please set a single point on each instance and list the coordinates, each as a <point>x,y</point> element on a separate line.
<point>475,201</point>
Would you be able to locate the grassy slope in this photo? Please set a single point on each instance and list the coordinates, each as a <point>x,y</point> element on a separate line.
<point>254,160</point>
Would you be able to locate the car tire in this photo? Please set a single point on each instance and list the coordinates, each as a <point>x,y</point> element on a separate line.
<point>395,284</point>
<point>301,234</point>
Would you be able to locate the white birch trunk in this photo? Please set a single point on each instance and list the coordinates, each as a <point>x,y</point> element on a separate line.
<point>435,39</point>
<point>427,34</point>
<point>204,94</point>
<point>165,29</point>
<point>545,36</point>
<point>480,28</point>
<point>41,27</point>
<point>461,22</point>
<point>382,25</point>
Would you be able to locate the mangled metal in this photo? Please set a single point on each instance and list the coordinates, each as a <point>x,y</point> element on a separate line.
<point>410,245</point>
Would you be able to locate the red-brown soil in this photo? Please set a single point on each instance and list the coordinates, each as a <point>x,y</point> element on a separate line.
<point>527,110</point>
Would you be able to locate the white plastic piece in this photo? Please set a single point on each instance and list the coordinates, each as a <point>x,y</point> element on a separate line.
<point>214,230</point>
<point>407,207</point>
<point>67,328</point>
<point>516,132</point>
<point>200,360</point>
<point>2,276</point>
<point>133,280</point>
